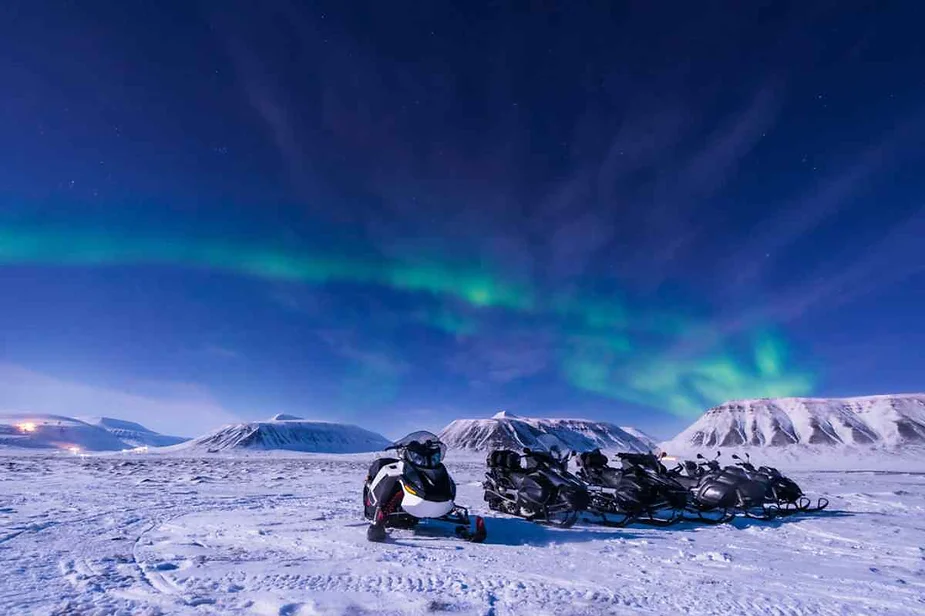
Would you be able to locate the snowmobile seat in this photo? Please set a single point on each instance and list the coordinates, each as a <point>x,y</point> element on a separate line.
<point>504,459</point>
<point>377,465</point>
<point>592,459</point>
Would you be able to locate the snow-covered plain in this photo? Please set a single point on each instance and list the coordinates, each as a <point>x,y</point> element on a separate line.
<point>135,534</point>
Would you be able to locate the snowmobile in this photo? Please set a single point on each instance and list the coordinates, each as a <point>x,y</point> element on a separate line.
<point>535,485</point>
<point>725,489</point>
<point>783,494</point>
<point>640,491</point>
<point>401,491</point>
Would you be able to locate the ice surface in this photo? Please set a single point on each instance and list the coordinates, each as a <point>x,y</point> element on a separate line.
<point>134,534</point>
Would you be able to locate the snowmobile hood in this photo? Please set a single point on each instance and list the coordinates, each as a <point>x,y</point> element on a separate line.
<point>432,484</point>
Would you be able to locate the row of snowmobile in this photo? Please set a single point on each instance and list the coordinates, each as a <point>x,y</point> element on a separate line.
<point>539,485</point>
<point>554,487</point>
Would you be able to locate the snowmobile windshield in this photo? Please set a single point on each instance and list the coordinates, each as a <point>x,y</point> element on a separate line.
<point>421,448</point>
<point>553,446</point>
<point>421,436</point>
<point>425,455</point>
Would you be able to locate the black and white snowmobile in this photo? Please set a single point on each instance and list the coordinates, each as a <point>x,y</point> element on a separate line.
<point>535,485</point>
<point>401,491</point>
<point>783,494</point>
<point>726,489</point>
<point>641,490</point>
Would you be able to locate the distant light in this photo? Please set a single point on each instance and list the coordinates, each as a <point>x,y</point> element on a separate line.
<point>26,427</point>
<point>74,449</point>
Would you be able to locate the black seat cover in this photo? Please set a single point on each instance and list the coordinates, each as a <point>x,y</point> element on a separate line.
<point>504,459</point>
<point>377,465</point>
<point>592,459</point>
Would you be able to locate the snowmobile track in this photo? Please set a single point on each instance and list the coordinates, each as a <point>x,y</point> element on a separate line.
<point>97,539</point>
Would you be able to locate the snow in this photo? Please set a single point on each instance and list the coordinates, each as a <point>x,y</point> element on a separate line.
<point>267,534</point>
<point>285,432</point>
<point>509,432</point>
<point>133,434</point>
<point>650,441</point>
<point>43,431</point>
<point>852,423</point>
<point>285,417</point>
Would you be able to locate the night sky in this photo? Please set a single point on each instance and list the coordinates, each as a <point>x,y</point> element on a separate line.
<point>396,214</point>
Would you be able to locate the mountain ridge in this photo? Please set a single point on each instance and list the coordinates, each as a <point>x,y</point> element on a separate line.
<point>506,431</point>
<point>287,434</point>
<point>890,420</point>
<point>132,433</point>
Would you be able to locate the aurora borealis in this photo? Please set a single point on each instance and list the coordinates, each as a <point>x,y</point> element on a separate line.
<point>598,348</point>
<point>399,218</point>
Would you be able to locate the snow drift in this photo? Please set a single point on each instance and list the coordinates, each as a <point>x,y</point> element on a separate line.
<point>133,434</point>
<point>288,433</point>
<point>43,431</point>
<point>508,431</point>
<point>871,421</point>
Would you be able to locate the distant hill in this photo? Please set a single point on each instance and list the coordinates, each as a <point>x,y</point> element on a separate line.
<point>133,434</point>
<point>884,421</point>
<point>508,431</point>
<point>43,431</point>
<point>287,433</point>
<point>650,441</point>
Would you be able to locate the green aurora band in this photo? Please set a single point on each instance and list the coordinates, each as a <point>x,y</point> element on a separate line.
<point>75,248</point>
<point>596,348</point>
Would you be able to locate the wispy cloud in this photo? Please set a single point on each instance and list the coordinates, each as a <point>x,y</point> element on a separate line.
<point>501,359</point>
<point>175,408</point>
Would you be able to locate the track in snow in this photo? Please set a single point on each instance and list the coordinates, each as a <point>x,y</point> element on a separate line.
<point>161,535</point>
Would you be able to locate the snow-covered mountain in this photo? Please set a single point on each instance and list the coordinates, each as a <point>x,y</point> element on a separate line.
<point>289,433</point>
<point>888,421</point>
<point>508,431</point>
<point>42,431</point>
<point>133,434</point>
<point>650,441</point>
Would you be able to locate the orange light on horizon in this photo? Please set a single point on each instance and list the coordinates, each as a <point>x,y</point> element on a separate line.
<point>26,427</point>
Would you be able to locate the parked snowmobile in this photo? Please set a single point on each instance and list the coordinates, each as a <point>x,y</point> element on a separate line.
<point>401,491</point>
<point>783,494</point>
<point>535,485</point>
<point>727,489</point>
<point>640,491</point>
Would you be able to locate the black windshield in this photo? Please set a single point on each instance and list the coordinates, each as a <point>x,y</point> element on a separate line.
<point>423,449</point>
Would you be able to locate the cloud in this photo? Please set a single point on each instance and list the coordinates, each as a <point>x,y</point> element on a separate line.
<point>175,408</point>
<point>502,359</point>
<point>894,258</point>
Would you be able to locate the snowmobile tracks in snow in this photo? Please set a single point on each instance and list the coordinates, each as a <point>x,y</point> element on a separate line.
<point>93,538</point>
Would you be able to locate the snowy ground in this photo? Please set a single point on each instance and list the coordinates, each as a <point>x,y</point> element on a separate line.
<point>153,535</point>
